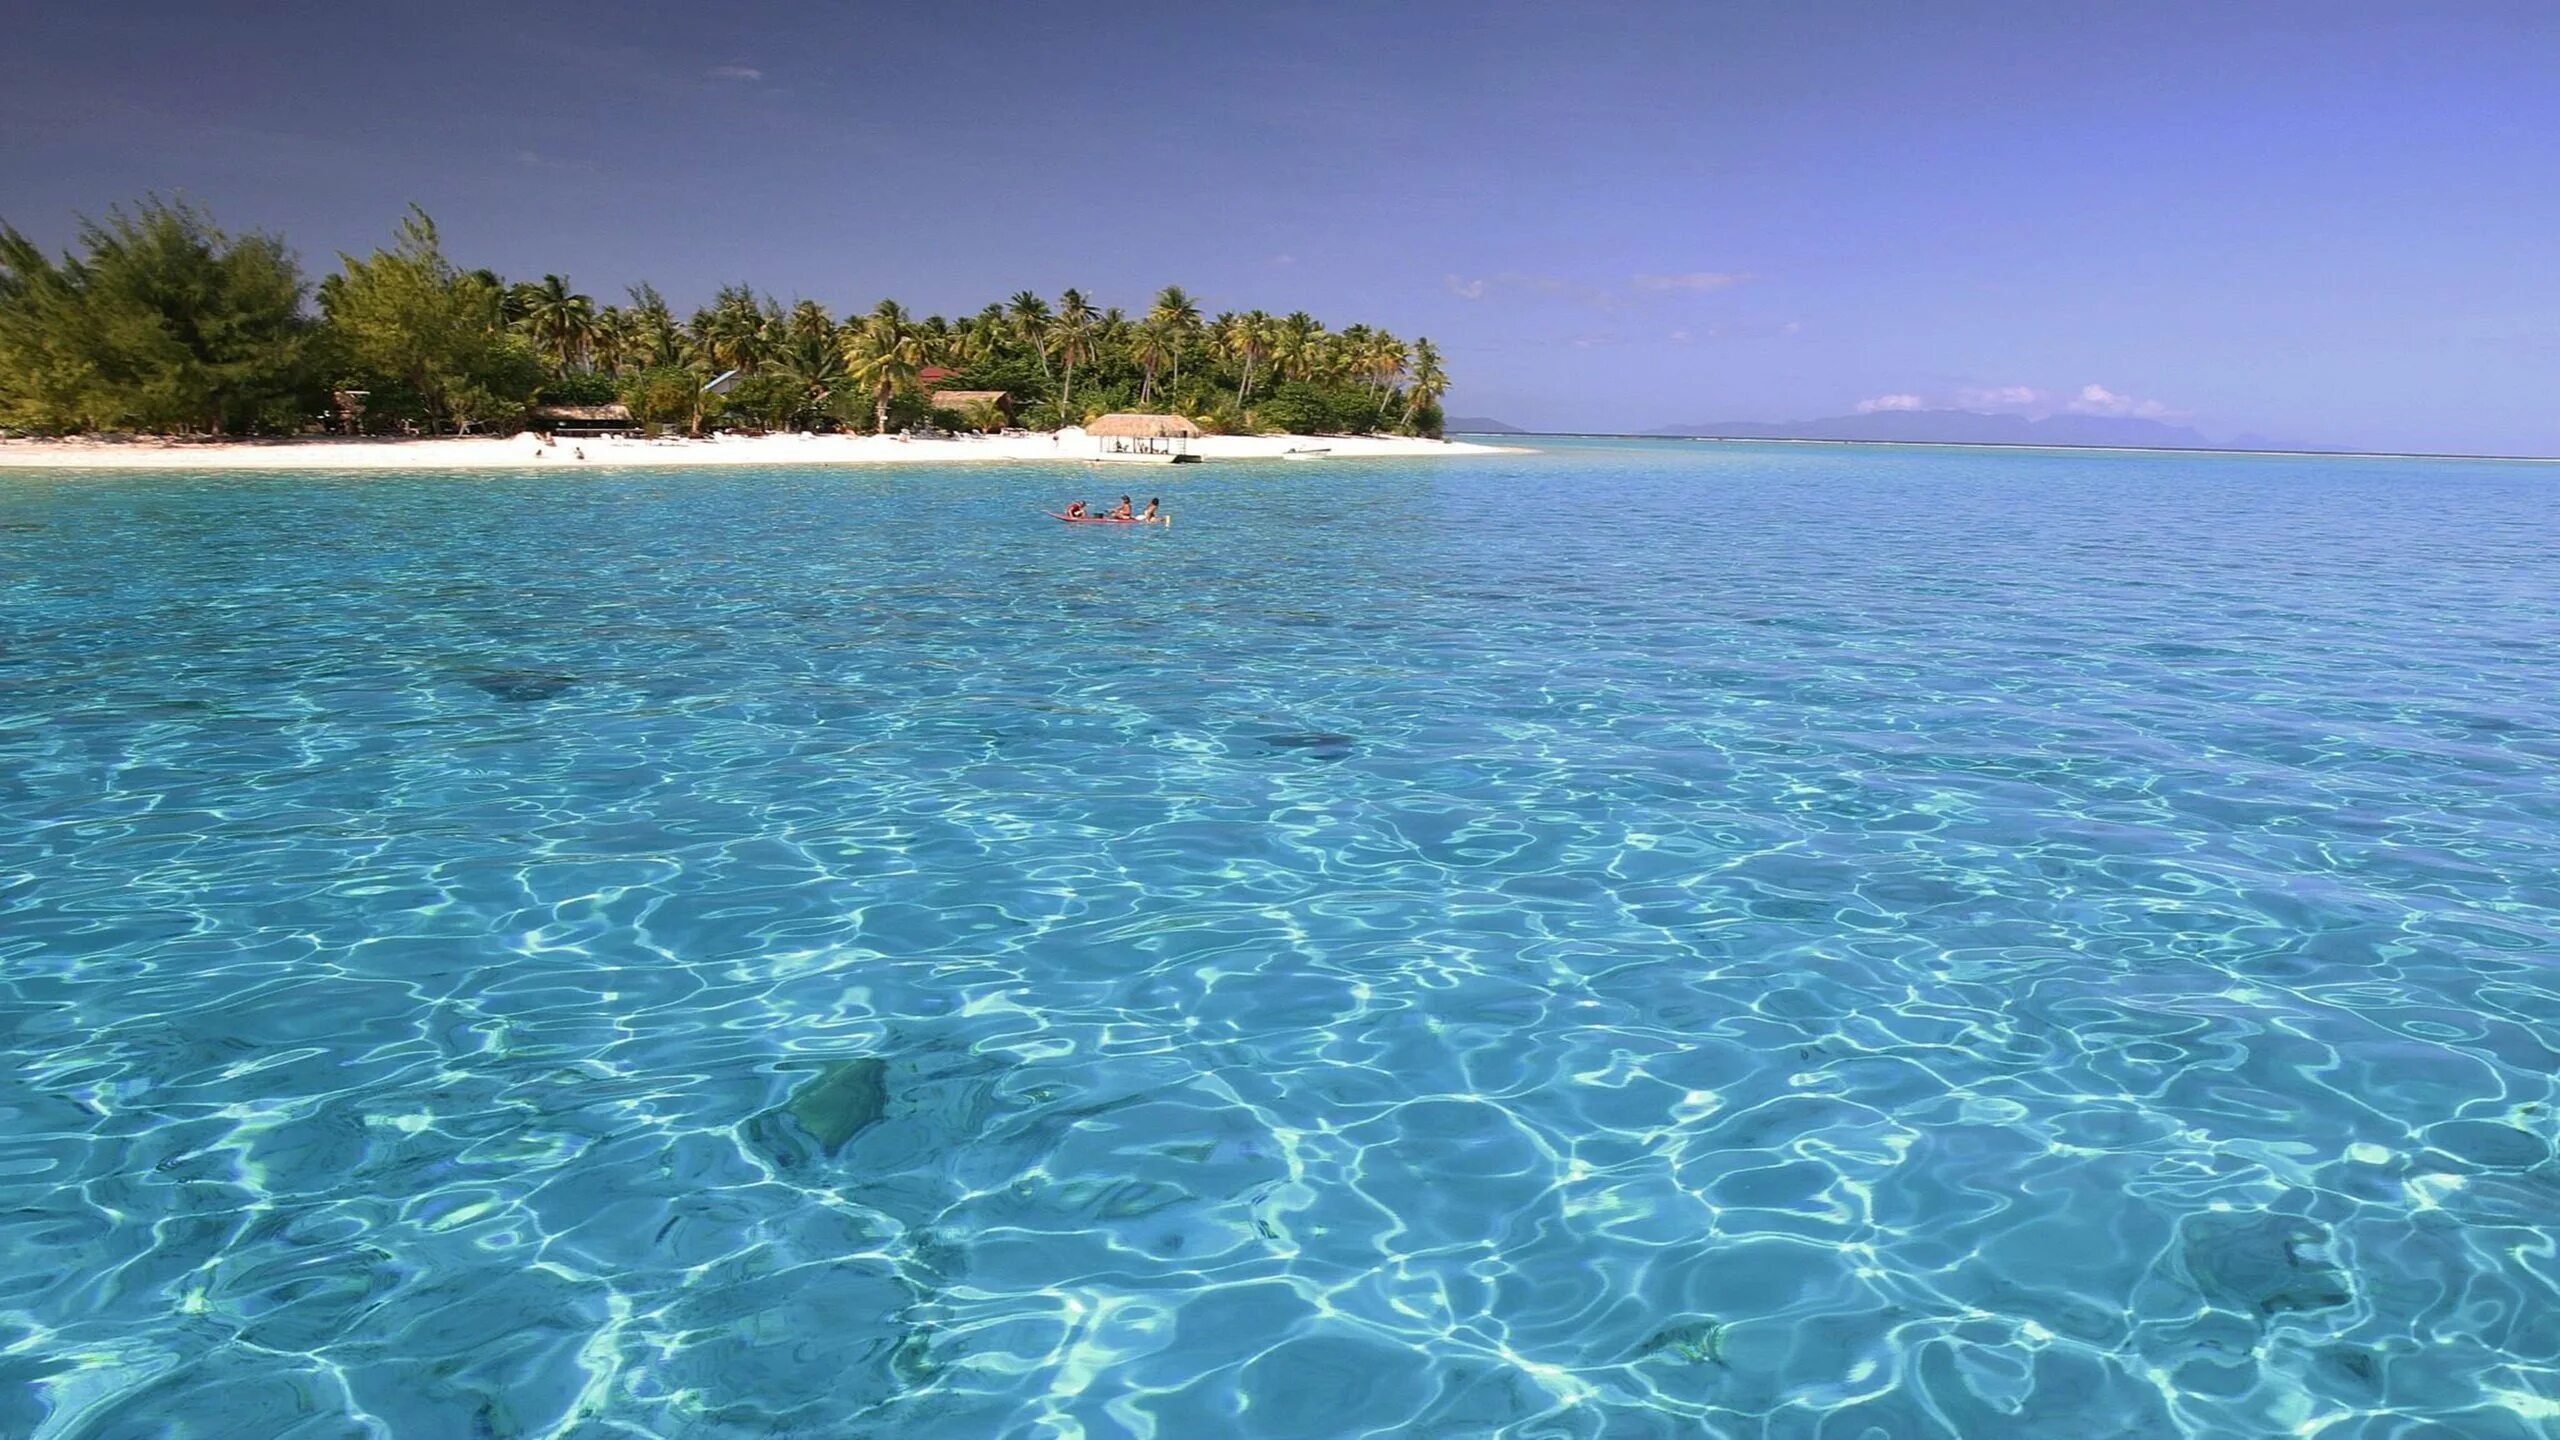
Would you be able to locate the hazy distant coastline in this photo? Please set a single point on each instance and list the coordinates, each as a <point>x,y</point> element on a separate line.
<point>1475,427</point>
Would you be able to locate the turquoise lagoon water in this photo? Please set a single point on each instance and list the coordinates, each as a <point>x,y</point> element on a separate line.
<point>1628,941</point>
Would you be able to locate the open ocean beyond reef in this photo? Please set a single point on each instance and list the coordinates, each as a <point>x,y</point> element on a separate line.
<point>1635,940</point>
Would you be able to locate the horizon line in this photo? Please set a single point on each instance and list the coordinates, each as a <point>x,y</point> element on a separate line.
<point>2012,445</point>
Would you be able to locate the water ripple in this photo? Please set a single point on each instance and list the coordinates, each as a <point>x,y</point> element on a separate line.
<point>1832,944</point>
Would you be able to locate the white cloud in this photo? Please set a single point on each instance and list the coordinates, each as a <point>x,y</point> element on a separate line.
<point>736,72</point>
<point>2099,400</point>
<point>1697,280</point>
<point>2027,400</point>
<point>1466,289</point>
<point>1680,337</point>
<point>2002,398</point>
<point>1284,259</point>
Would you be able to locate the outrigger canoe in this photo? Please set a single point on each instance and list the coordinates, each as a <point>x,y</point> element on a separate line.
<point>1105,519</point>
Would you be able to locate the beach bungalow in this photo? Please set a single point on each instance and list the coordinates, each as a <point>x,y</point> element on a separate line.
<point>583,419</point>
<point>967,403</point>
<point>1127,438</point>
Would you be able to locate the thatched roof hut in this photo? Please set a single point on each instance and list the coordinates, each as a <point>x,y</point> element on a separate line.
<point>961,400</point>
<point>1130,425</point>
<point>582,417</point>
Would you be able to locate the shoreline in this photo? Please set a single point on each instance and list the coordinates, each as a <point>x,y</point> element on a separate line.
<point>525,451</point>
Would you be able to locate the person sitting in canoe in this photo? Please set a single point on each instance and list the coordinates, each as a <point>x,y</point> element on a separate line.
<point>1075,510</point>
<point>1151,516</point>
<point>1123,513</point>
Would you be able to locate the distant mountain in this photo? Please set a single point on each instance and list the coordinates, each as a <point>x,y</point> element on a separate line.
<point>1958,427</point>
<point>1478,425</point>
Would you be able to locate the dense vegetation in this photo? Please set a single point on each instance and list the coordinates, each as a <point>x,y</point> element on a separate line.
<point>162,322</point>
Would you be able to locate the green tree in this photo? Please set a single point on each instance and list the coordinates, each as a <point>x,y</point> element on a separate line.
<point>734,332</point>
<point>885,353</point>
<point>47,381</point>
<point>657,341</point>
<point>1177,315</point>
<point>406,316</point>
<point>1425,386</point>
<point>165,323</point>
<point>1247,339</point>
<point>1070,337</point>
<point>560,322</point>
<point>1028,315</point>
<point>1297,345</point>
<point>1382,361</point>
<point>665,396</point>
<point>1151,346</point>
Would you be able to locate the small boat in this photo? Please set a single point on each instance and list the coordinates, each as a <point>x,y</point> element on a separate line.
<point>1144,457</point>
<point>1110,519</point>
<point>1305,452</point>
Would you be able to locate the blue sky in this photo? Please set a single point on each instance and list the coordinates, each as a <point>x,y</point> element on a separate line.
<point>2328,224</point>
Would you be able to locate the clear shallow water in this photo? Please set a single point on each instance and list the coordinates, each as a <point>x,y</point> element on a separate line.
<point>1632,941</point>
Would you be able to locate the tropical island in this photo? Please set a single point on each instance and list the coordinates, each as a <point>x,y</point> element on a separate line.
<point>161,324</point>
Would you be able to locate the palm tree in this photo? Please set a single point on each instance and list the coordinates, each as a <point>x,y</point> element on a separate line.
<point>733,334</point>
<point>1178,316</point>
<point>656,340</point>
<point>615,337</point>
<point>560,321</point>
<point>1383,358</point>
<point>1297,345</point>
<point>1030,316</point>
<point>1152,345</point>
<point>511,298</point>
<point>817,370</point>
<point>981,337</point>
<point>1429,381</point>
<point>808,326</point>
<point>809,353</point>
<point>886,352</point>
<point>1247,339</point>
<point>1071,337</point>
<point>939,341</point>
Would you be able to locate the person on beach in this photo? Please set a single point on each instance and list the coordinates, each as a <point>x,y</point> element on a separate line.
<point>1075,510</point>
<point>1124,512</point>
<point>1150,517</point>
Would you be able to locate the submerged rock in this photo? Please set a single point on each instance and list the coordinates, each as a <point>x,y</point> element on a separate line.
<point>841,1101</point>
<point>1322,744</point>
<point>1697,1340</point>
<point>523,686</point>
<point>2263,1264</point>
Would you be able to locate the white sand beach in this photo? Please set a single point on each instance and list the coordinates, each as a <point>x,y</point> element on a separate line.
<point>515,452</point>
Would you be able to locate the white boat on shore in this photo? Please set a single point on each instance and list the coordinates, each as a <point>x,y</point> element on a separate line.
<point>1143,457</point>
<point>1306,452</point>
